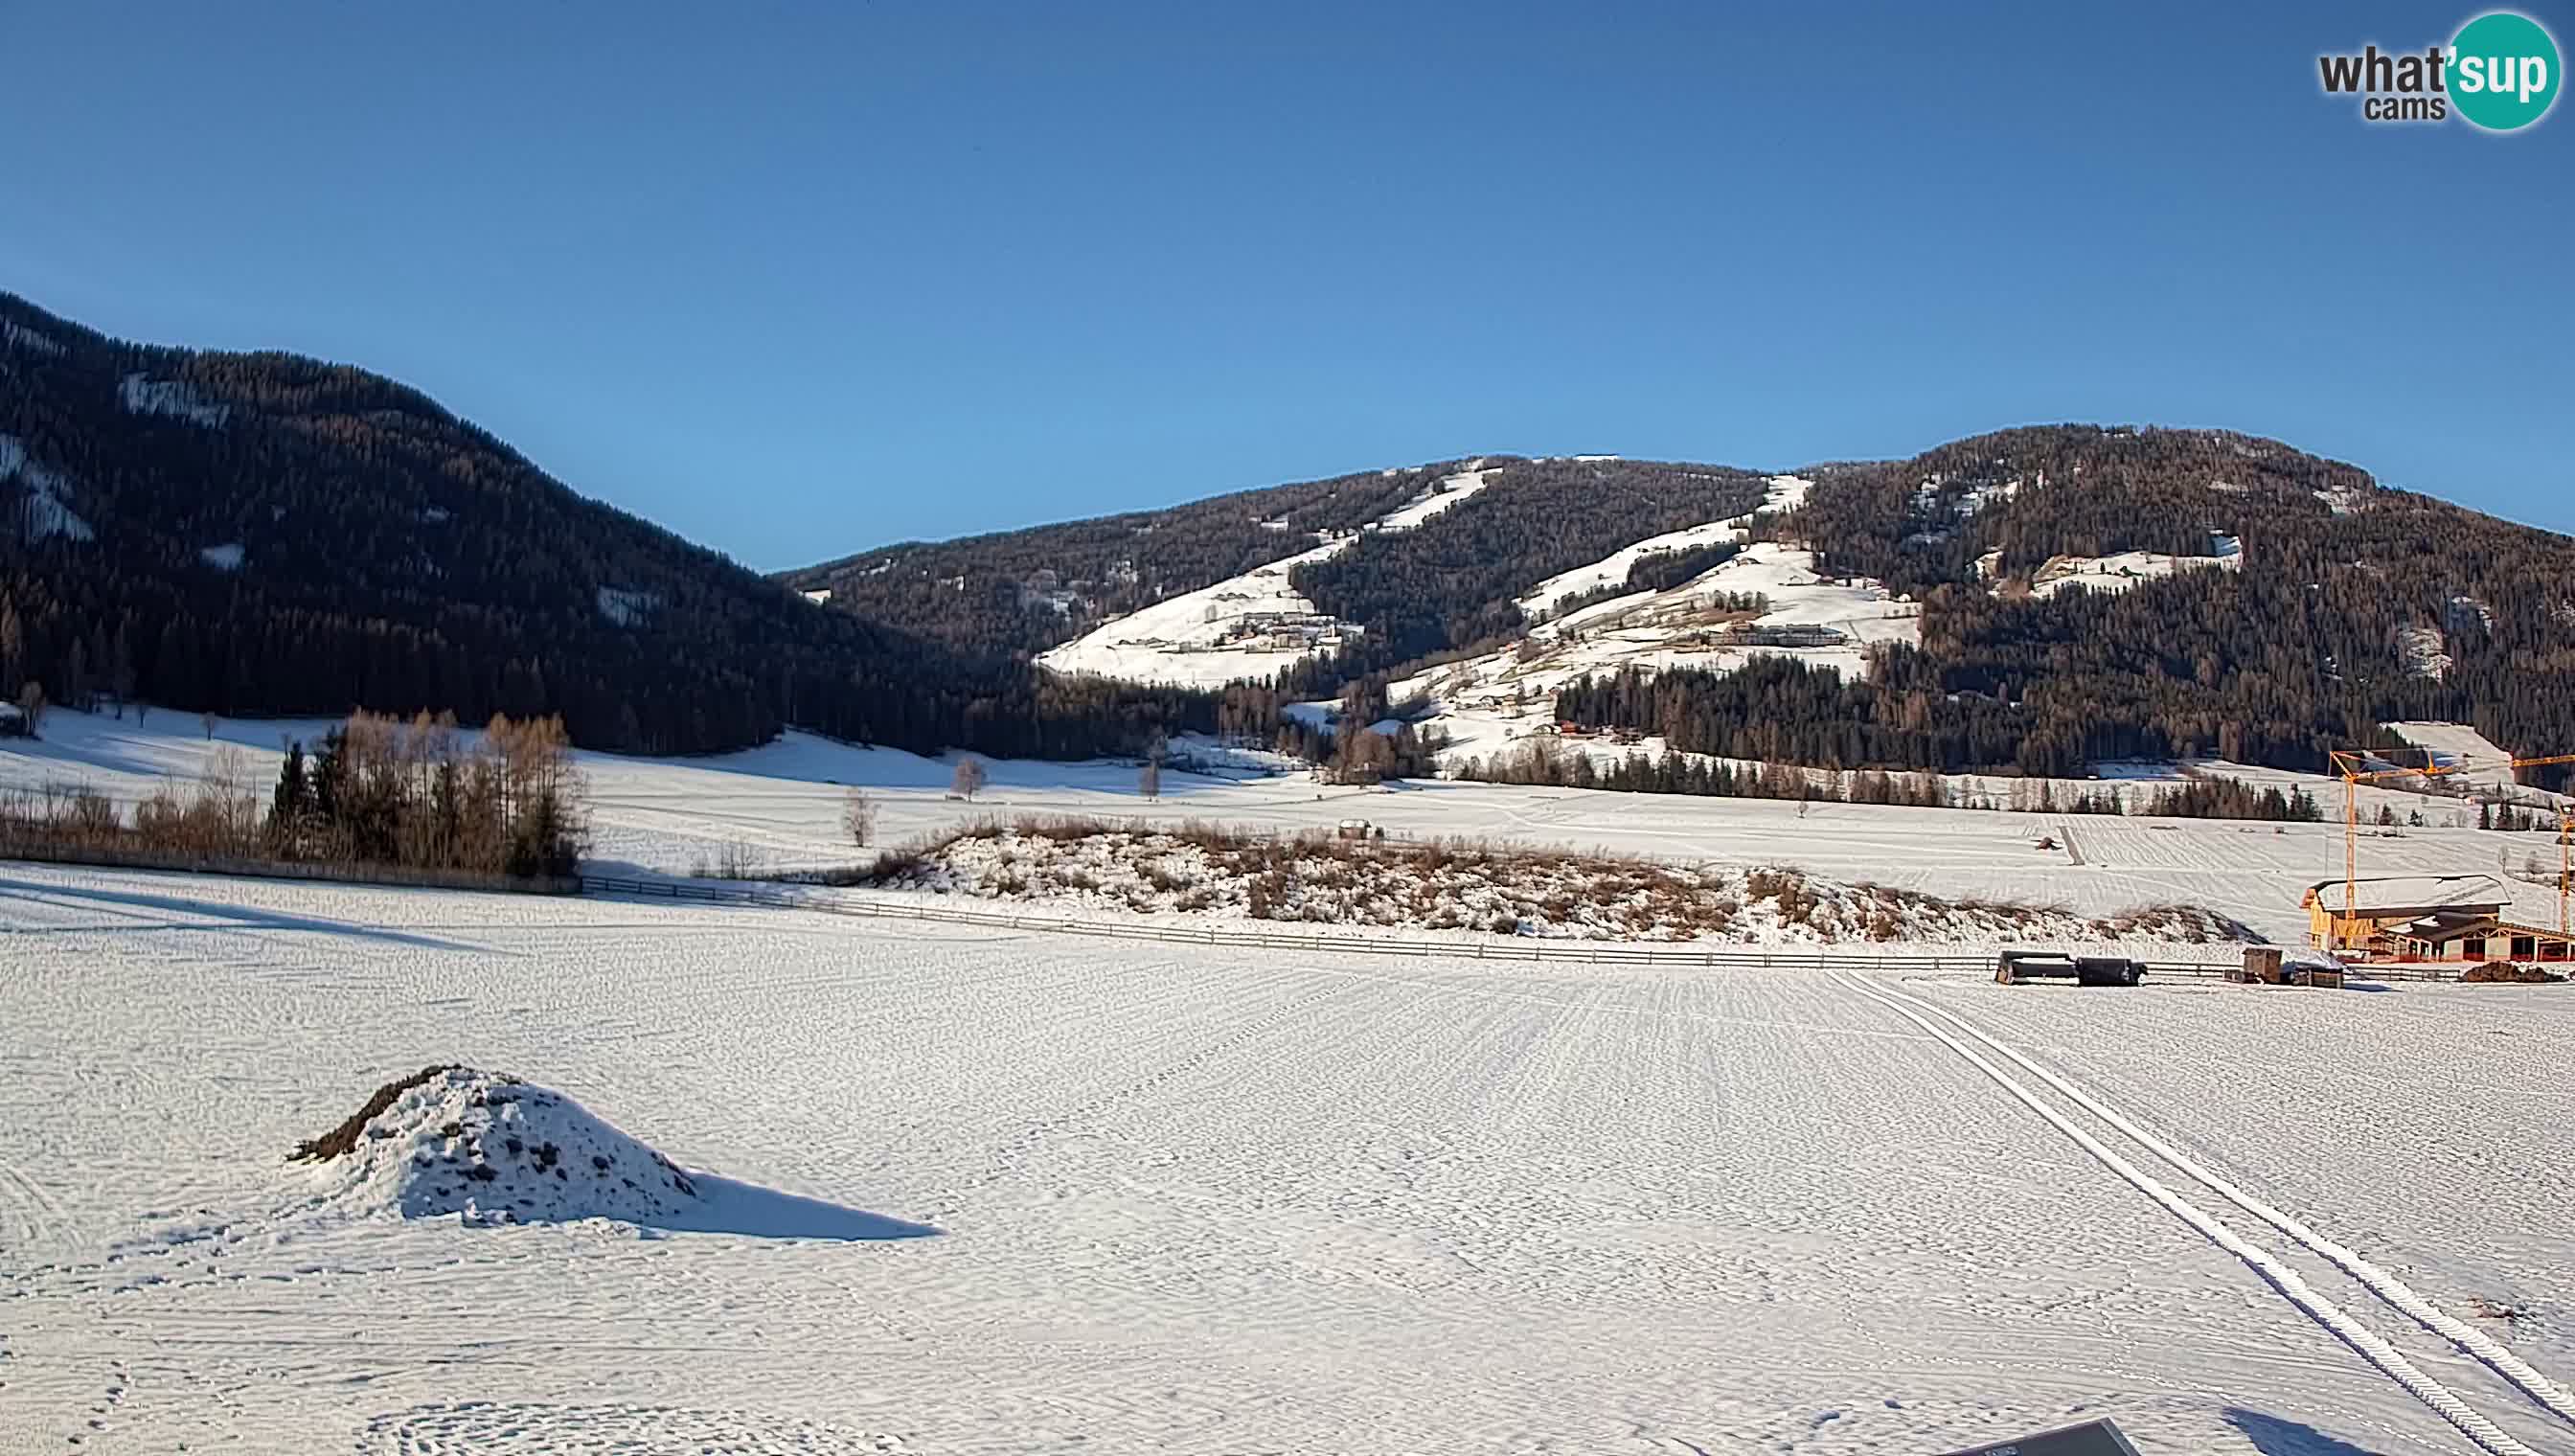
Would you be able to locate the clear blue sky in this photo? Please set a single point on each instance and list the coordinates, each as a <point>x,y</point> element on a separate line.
<point>797,279</point>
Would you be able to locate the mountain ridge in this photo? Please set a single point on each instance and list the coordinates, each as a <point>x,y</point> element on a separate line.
<point>263,532</point>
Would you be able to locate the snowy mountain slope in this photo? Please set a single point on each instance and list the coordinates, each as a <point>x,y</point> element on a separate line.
<point>1249,626</point>
<point>1801,615</point>
<point>1786,493</point>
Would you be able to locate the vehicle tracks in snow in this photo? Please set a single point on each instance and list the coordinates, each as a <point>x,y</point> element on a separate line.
<point>1957,1032</point>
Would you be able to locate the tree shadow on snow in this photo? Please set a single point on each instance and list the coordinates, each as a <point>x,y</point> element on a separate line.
<point>2277,1436</point>
<point>242,917</point>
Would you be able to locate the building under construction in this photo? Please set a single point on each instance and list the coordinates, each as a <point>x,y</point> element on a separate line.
<point>2462,917</point>
<point>2459,917</point>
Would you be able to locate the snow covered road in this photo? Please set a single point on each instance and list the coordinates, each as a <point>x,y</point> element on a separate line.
<point>1198,1199</point>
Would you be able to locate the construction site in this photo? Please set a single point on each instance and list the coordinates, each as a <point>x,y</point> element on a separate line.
<point>2448,917</point>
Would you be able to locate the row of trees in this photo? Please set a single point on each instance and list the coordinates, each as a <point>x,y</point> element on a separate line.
<point>379,790</point>
<point>1550,762</point>
<point>375,790</point>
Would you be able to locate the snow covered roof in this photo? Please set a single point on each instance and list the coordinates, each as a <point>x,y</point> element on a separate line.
<point>2414,893</point>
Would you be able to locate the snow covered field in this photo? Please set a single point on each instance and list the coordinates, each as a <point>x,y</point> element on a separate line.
<point>1189,1199</point>
<point>782,803</point>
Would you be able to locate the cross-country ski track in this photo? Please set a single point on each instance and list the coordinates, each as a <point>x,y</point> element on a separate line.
<point>2370,1345</point>
<point>1212,1198</point>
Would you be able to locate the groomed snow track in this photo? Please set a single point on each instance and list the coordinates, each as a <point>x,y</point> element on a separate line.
<point>1948,1027</point>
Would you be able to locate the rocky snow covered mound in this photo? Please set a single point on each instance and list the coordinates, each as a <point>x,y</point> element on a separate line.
<point>492,1148</point>
<point>1328,881</point>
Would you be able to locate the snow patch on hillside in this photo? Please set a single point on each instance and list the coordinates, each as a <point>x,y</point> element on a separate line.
<point>1251,626</point>
<point>1970,502</point>
<point>2450,743</point>
<point>818,595</point>
<point>2127,570</point>
<point>2422,651</point>
<point>225,558</point>
<point>46,511</point>
<point>1786,494</point>
<point>627,608</point>
<point>144,395</point>
<point>1444,495</point>
<point>15,334</point>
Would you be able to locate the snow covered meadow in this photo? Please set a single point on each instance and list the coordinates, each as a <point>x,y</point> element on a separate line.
<point>987,1191</point>
<point>778,808</point>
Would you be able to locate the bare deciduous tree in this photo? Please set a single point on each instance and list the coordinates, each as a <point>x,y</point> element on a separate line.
<point>969,777</point>
<point>1149,779</point>
<point>211,722</point>
<point>31,706</point>
<point>858,818</point>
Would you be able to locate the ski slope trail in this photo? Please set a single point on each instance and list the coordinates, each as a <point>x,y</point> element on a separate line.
<point>2364,1341</point>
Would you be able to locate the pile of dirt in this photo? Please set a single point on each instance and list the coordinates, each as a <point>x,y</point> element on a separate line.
<point>492,1148</point>
<point>2505,972</point>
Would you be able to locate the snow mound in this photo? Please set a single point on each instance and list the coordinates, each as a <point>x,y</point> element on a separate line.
<point>485,1149</point>
<point>494,1150</point>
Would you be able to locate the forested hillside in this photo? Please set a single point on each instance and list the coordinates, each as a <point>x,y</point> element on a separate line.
<point>2350,605</point>
<point>1453,580</point>
<point>263,533</point>
<point>260,534</point>
<point>1026,591</point>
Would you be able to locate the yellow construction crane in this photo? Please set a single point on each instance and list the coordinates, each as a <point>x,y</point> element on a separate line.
<point>2353,767</point>
<point>2565,865</point>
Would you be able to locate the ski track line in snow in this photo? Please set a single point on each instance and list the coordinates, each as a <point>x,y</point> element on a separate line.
<point>2367,1343</point>
<point>2396,1292</point>
<point>44,1217</point>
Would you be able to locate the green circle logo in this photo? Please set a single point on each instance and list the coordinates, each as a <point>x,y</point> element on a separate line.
<point>2503,71</point>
